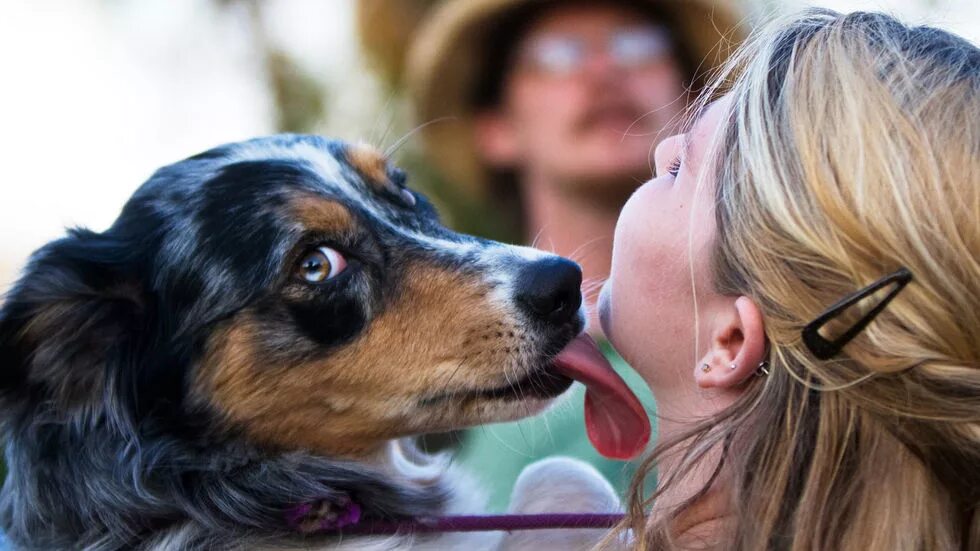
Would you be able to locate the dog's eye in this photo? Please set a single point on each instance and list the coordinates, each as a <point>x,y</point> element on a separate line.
<point>320,264</point>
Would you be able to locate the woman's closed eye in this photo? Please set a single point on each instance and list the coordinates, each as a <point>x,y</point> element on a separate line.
<point>668,155</point>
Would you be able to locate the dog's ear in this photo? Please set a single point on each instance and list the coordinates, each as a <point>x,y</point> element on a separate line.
<point>70,315</point>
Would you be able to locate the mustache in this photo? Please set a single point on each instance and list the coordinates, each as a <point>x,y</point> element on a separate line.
<point>597,112</point>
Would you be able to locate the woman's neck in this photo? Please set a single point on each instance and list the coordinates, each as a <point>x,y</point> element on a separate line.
<point>706,521</point>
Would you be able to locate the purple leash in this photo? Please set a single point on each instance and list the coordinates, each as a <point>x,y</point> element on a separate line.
<point>486,523</point>
<point>343,515</point>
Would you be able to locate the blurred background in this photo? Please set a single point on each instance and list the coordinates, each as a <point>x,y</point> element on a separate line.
<point>96,94</point>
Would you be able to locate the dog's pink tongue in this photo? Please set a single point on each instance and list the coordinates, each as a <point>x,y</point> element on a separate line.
<point>614,418</point>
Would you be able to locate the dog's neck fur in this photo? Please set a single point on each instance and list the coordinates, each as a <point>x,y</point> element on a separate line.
<point>90,486</point>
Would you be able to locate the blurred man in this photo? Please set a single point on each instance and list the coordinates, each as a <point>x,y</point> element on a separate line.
<point>553,108</point>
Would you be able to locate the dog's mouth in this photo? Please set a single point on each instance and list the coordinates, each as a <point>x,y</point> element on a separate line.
<point>615,419</point>
<point>540,384</point>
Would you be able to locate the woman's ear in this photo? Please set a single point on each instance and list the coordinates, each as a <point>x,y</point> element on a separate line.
<point>738,346</point>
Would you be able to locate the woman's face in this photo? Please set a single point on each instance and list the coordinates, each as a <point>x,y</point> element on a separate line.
<point>662,246</point>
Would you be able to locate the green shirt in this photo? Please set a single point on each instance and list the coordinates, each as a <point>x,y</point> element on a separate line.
<point>496,454</point>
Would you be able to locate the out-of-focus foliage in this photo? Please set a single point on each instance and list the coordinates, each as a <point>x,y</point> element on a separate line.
<point>300,98</point>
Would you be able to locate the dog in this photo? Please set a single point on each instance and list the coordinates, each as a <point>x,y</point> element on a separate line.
<point>262,328</point>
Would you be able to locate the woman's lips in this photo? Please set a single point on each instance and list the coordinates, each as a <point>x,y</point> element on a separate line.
<point>604,306</point>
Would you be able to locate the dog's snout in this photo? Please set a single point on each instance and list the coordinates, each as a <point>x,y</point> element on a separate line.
<point>550,289</point>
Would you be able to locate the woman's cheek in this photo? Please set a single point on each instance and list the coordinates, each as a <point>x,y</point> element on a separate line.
<point>621,302</point>
<point>648,297</point>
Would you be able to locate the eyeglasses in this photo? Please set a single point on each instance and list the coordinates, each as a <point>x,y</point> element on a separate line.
<point>824,348</point>
<point>565,54</point>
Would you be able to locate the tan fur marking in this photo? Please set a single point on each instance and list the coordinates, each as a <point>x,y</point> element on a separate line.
<point>371,163</point>
<point>350,403</point>
<point>317,213</point>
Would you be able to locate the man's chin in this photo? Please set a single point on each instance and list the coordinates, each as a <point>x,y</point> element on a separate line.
<point>610,188</point>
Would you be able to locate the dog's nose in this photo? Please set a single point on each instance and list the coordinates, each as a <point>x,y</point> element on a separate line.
<point>550,289</point>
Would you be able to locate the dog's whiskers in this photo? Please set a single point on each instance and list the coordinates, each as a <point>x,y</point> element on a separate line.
<point>593,284</point>
<point>393,148</point>
<point>449,380</point>
<point>591,288</point>
<point>576,255</point>
<point>386,112</point>
<point>534,242</point>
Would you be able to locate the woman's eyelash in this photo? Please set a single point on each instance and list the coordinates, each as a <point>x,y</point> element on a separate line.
<point>674,167</point>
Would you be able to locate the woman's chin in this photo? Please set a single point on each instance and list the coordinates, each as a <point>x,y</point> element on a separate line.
<point>619,339</point>
<point>607,320</point>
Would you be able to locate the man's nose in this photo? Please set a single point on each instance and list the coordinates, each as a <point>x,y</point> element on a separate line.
<point>550,289</point>
<point>601,65</point>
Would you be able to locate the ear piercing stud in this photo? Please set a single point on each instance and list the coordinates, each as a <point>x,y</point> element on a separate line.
<point>761,370</point>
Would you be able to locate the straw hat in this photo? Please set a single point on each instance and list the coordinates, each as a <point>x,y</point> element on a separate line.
<point>446,58</point>
<point>385,29</point>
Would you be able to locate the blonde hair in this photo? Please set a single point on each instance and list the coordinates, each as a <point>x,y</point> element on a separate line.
<point>852,148</point>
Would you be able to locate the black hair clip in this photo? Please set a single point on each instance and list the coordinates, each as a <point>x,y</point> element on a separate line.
<point>826,349</point>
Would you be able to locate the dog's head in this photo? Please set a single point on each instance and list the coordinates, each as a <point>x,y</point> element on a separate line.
<point>292,290</point>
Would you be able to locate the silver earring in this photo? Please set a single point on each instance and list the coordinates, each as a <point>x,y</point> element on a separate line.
<point>763,369</point>
<point>733,366</point>
<point>705,368</point>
